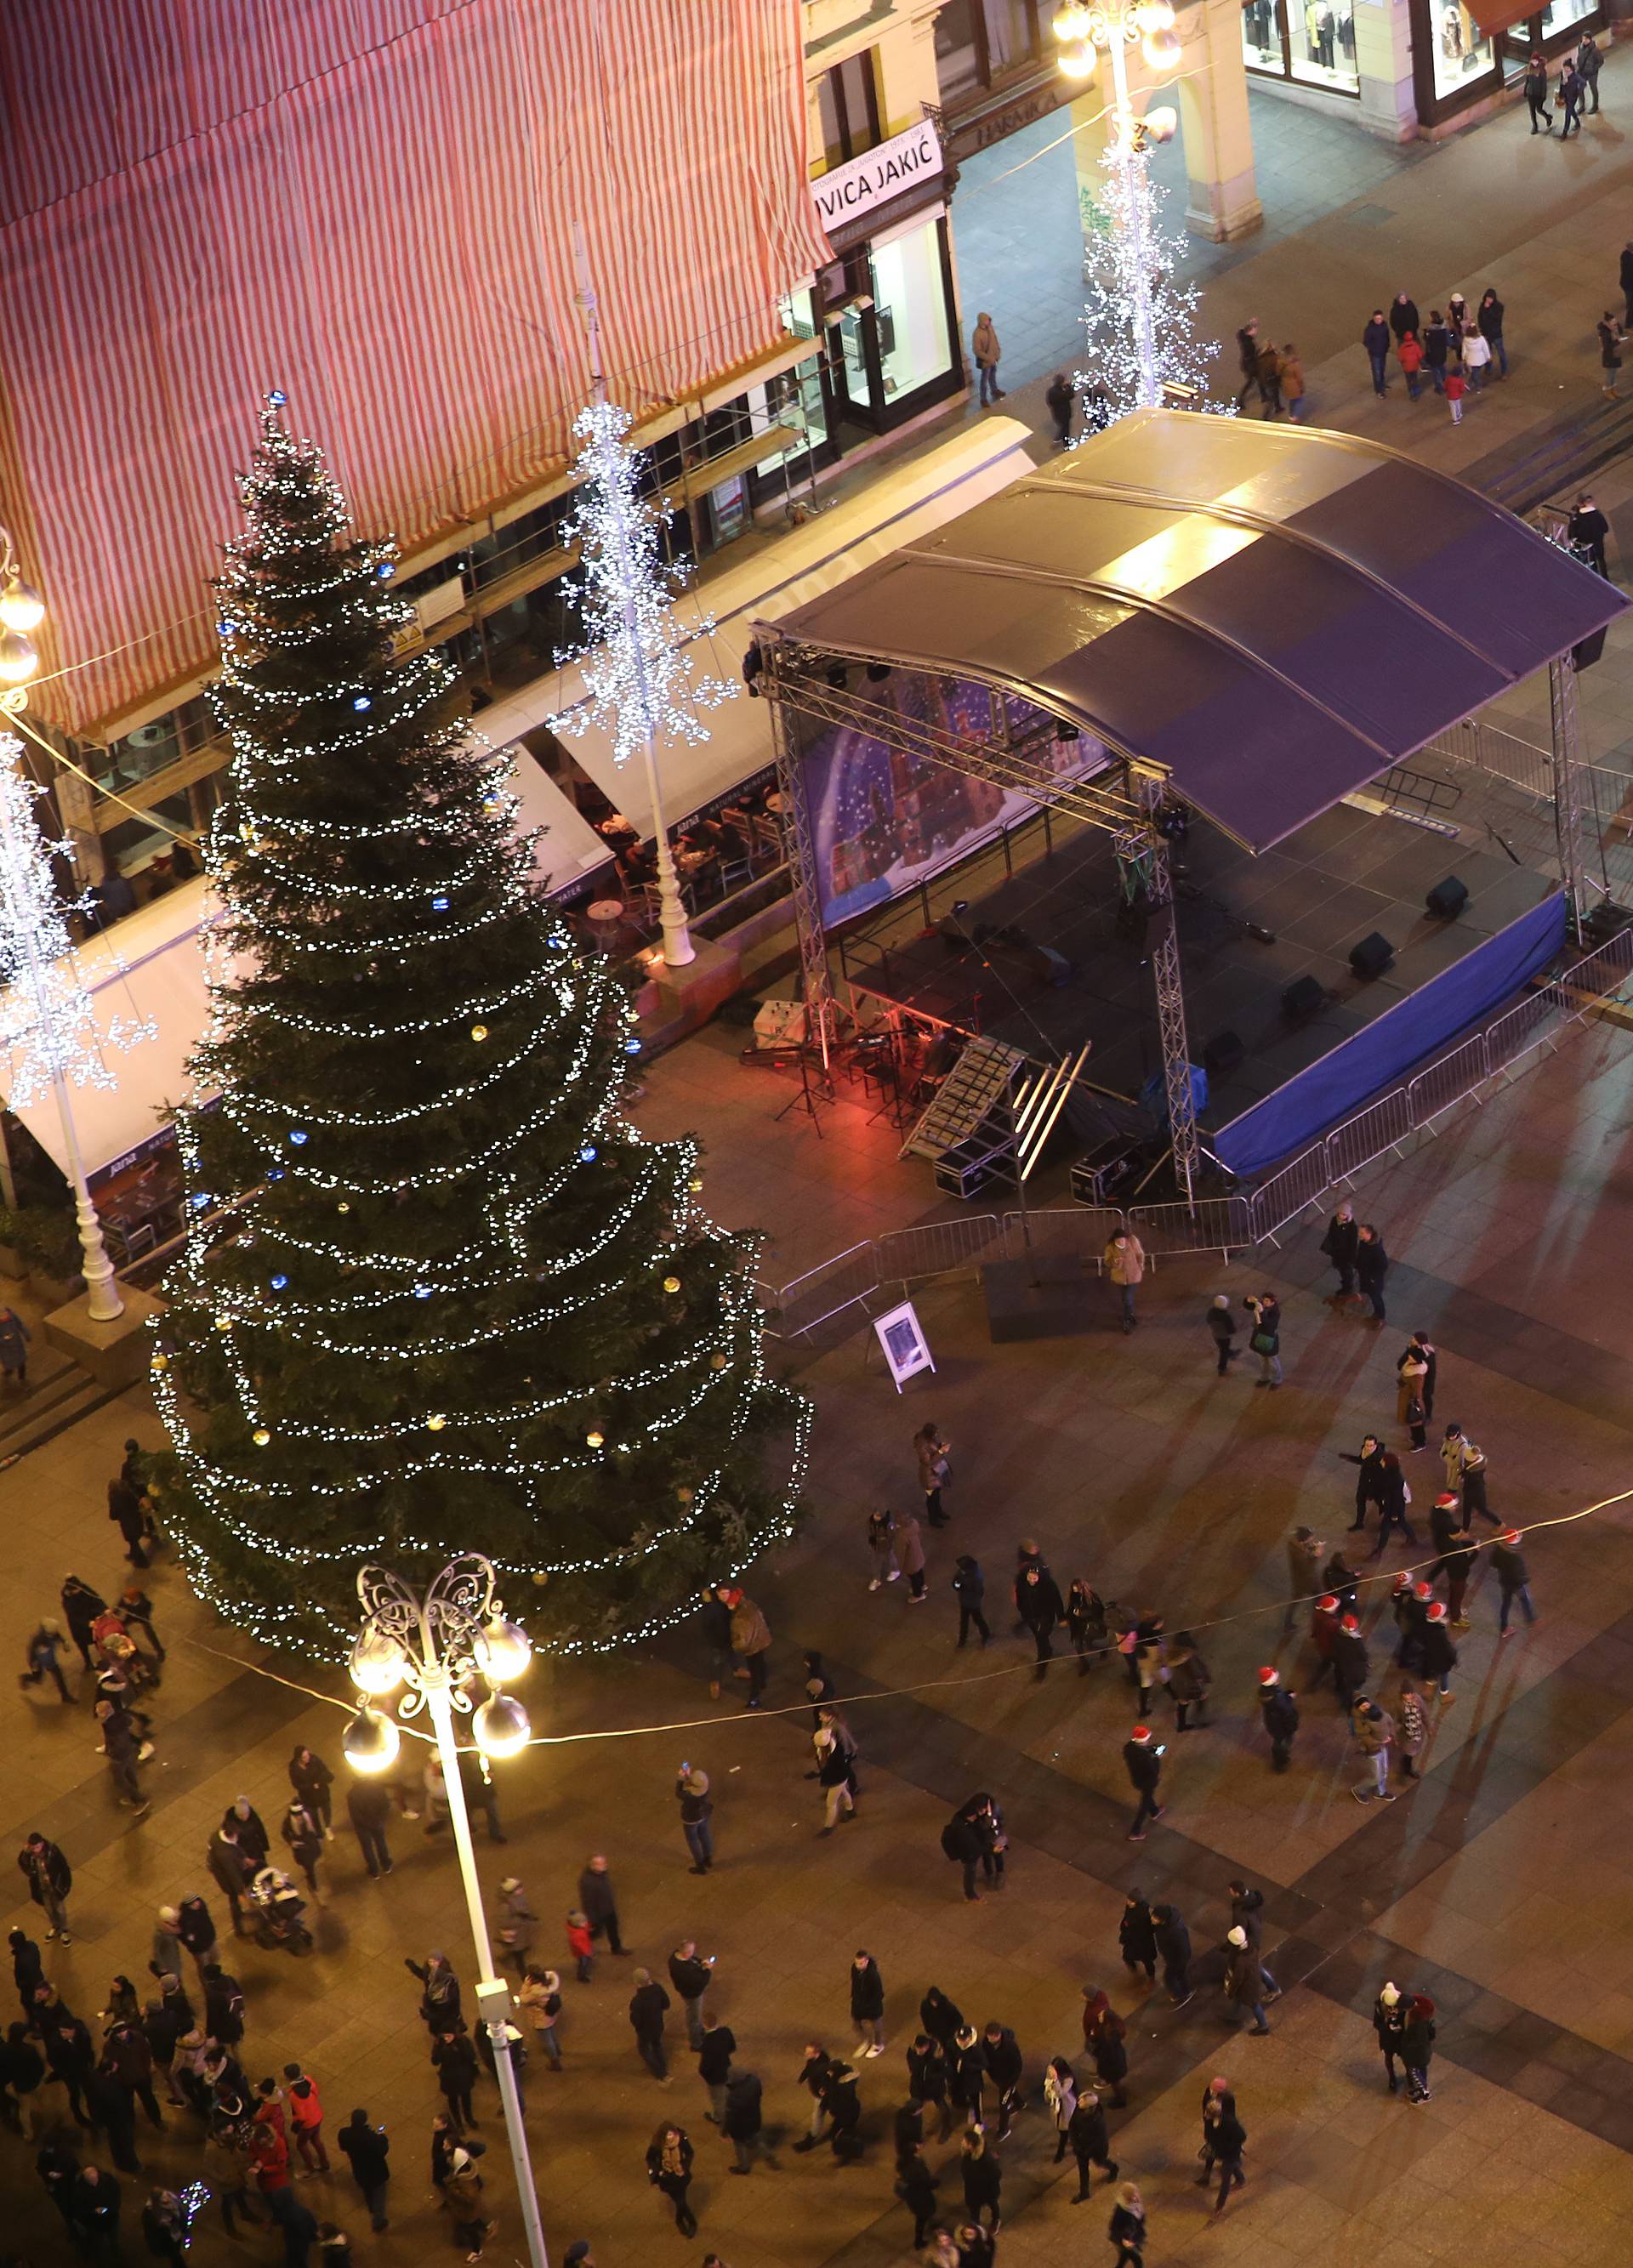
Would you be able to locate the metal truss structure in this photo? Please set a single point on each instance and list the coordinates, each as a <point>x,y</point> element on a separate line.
<point>832,689</point>
<point>1565,741</point>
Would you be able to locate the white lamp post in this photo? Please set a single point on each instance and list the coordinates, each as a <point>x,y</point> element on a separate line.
<point>1113,26</point>
<point>34,936</point>
<point>433,1645</point>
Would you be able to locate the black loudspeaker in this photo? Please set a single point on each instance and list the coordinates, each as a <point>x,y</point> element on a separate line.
<point>1303,996</point>
<point>1447,899</point>
<point>1371,956</point>
<point>1223,1055</point>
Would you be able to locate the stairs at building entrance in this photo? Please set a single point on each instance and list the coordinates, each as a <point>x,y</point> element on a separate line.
<point>58,1394</point>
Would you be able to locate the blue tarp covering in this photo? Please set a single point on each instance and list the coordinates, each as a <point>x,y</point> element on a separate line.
<point>1375,1058</point>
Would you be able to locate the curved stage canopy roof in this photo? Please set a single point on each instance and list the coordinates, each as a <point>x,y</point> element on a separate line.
<point>1271,616</point>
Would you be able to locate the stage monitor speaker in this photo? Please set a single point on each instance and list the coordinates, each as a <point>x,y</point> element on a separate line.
<point>1447,899</point>
<point>1223,1055</point>
<point>1371,956</point>
<point>1303,996</point>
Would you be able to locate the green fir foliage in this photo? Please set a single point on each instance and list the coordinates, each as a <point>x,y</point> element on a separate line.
<point>438,1294</point>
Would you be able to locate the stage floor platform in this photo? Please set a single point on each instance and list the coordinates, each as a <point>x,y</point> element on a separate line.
<point>1346,874</point>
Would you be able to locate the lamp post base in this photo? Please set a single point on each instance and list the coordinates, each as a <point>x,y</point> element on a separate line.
<point>116,1351</point>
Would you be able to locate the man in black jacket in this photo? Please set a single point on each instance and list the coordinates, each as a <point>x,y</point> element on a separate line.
<point>1339,1243</point>
<point>1437,1652</point>
<point>691,1976</point>
<point>927,2080</point>
<point>649,2004</point>
<point>1371,1267</point>
<point>1349,1662</point>
<point>743,2125</point>
<point>1279,1709</point>
<point>50,1879</point>
<point>95,2213</point>
<point>1173,1942</point>
<point>454,2060</point>
<point>814,2078</point>
<point>368,1806</point>
<point>1369,1480</point>
<point>367,2147</point>
<point>1508,1562</point>
<point>962,1843</point>
<point>599,1902</point>
<point>715,2051</point>
<point>1090,2145</point>
<point>1142,1758</point>
<point>1389,2018</point>
<point>1375,339</point>
<point>1001,2054</point>
<point>714,1622</point>
<point>1037,1603</point>
<point>970,1586</point>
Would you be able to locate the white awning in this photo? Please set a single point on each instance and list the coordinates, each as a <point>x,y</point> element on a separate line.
<point>800,566</point>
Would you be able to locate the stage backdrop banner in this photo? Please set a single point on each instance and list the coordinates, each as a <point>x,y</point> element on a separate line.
<point>882,820</point>
<point>1396,1043</point>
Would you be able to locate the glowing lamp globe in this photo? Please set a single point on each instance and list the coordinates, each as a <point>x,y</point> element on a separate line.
<point>1071,25</point>
<point>1160,124</point>
<point>1161,49</point>
<point>1154,15</point>
<point>21,608</point>
<point>19,659</point>
<point>377,1665</point>
<point>503,1651</point>
<point>501,1726</point>
<point>1078,62</point>
<point>370,1742</point>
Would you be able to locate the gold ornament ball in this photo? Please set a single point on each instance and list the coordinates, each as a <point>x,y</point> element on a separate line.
<point>260,1437</point>
<point>478,1031</point>
<point>342,1206</point>
<point>682,1496</point>
<point>595,1439</point>
<point>717,1362</point>
<point>436,1421</point>
<point>159,1362</point>
<point>694,1187</point>
<point>223,1322</point>
<point>671,1282</point>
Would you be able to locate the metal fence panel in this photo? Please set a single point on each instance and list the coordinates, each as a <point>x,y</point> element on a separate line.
<point>937,1247</point>
<point>1211,1224</point>
<point>1064,1231</point>
<point>1301,1182</point>
<point>1526,1025</point>
<point>822,1291</point>
<point>1372,1131</point>
<point>1450,1080</point>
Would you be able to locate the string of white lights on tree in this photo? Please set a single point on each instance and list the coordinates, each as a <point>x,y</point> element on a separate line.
<point>434,1288</point>
<point>1139,321</point>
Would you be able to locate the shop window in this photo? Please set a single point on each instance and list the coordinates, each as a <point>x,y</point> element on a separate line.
<point>1311,40</point>
<point>847,105</point>
<point>981,43</point>
<point>1564,14</point>
<point>1461,50</point>
<point>910,308</point>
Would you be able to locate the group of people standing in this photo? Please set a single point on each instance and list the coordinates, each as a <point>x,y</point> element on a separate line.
<point>1458,350</point>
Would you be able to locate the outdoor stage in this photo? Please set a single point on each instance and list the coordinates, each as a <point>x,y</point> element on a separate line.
<point>1338,878</point>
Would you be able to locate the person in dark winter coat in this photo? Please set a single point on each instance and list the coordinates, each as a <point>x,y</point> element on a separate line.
<point>1392,1508</point>
<point>365,2149</point>
<point>126,1510</point>
<point>942,2018</point>
<point>649,2004</point>
<point>961,1843</point>
<point>927,2080</point>
<point>966,2074</point>
<point>1341,1578</point>
<point>1221,1320</point>
<point>439,2002</point>
<point>915,2185</point>
<point>1126,2228</point>
<point>714,1621</point>
<point>1508,1561</point>
<point>868,2006</point>
<point>691,1975</point>
<point>715,2054</point>
<point>1437,1656</point>
<point>81,1606</point>
<point>50,1878</point>
<point>1089,2143</point>
<point>1305,1554</point>
<point>1350,1662</point>
<point>1369,1480</point>
<point>1343,1235</point>
<point>1536,93</point>
<point>1417,2045</point>
<point>842,2103</point>
<point>128,2059</point>
<point>970,1586</point>
<point>1135,1936</point>
<point>1061,398</point>
<point>231,1868</point>
<point>1188,1680</point>
<point>1489,316</point>
<point>1002,2054</point>
<point>1103,2035</point>
<point>1375,339</point>
<point>814,2079</point>
<point>668,2168</point>
<point>1039,1603</point>
<point>1243,1979</point>
<point>240,1818</point>
<point>1371,1267</point>
<point>598,1901</point>
<point>1279,1710</point>
<point>1085,1623</point>
<point>744,2125</point>
<point>983,2178</point>
<point>311,1779</point>
<point>1403,316</point>
<point>454,2060</point>
<point>1420,1350</point>
<point>1389,2021</point>
<point>1143,1759</point>
<point>1229,2140</point>
<point>1173,1942</point>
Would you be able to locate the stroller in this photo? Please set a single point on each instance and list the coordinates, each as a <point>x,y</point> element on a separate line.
<point>277,1907</point>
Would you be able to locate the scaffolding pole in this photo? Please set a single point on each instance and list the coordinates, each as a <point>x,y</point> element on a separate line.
<point>1565,741</point>
<point>816,981</point>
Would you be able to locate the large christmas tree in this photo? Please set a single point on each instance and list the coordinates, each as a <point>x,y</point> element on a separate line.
<point>437,1294</point>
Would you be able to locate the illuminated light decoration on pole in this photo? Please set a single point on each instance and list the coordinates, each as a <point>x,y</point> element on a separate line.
<point>644,687</point>
<point>1140,323</point>
<point>49,1037</point>
<point>437,1642</point>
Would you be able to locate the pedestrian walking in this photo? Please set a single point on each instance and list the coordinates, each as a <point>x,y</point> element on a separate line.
<point>867,2005</point>
<point>714,1622</point>
<point>934,1455</point>
<point>1279,1710</point>
<point>1270,376</point>
<point>927,2080</point>
<point>915,2185</point>
<point>987,352</point>
<point>122,1748</point>
<point>1351,1662</point>
<point>1126,2228</point>
<point>696,1811</point>
<point>982,2175</point>
<point>1404,320</point>
<point>835,1776</point>
<point>1247,359</point>
<point>312,1780</point>
<point>302,1830</point>
<point>1305,1553</point>
<point>50,1878</point>
<point>368,1806</point>
<point>599,1903</point>
<point>814,2078</point>
<point>1409,352</point>
<point>1150,1662</point>
<point>45,1644</point>
<point>1436,338</point>
<point>1060,400</point>
<point>1060,2100</point>
<point>1536,93</point>
<point>842,2108</point>
<point>1089,2141</point>
<point>165,2226</point>
<point>1489,316</point>
<point>744,2124</point>
<point>81,1606</point>
<point>1471,1480</point>
<point>1373,1730</point>
<point>128,1513</point>
<point>232,1867</point>
<point>461,2194</point>
<point>306,2119</point>
<point>454,2060</point>
<point>1124,1262</point>
<point>910,1556</point>
<point>1454,390</point>
<point>1039,1603</point>
<point>1371,1268</point>
<point>1143,1759</point>
<point>1085,1623</point>
<point>1375,339</point>
<point>692,1973</point>
<point>1189,1678</point>
<point>1396,1497</point>
<point>14,1337</point>
<point>1572,95</point>
<point>1417,2046</point>
<point>1507,1559</point>
<point>1589,59</point>
<point>1002,2054</point>
<point>1174,1943</point>
<point>515,1922</point>
<point>580,1944</point>
<point>1222,1329</point>
<point>1244,1979</point>
<point>1389,2021</point>
<point>1265,1336</point>
<point>715,2051</point>
<point>751,1640</point>
<point>1476,356</point>
<point>439,2003</point>
<point>966,2074</point>
<point>1293,382</point>
<point>539,1996</point>
<point>1611,335</point>
<point>1136,1938</point>
<point>648,2006</point>
<point>1411,1728</point>
<point>970,1587</point>
<point>882,1544</point>
<point>1229,2140</point>
<point>1437,1652</point>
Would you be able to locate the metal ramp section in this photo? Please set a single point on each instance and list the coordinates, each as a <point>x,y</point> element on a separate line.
<point>968,1132</point>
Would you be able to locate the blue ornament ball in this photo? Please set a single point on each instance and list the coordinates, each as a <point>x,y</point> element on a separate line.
<point>298,1136</point>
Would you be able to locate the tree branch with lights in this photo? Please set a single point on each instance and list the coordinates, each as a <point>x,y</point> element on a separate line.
<point>436,1289</point>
